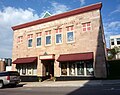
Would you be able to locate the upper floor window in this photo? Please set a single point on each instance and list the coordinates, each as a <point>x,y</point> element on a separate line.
<point>20,39</point>
<point>118,41</point>
<point>30,38</point>
<point>48,37</point>
<point>86,26</point>
<point>112,41</point>
<point>70,34</point>
<point>38,38</point>
<point>58,36</point>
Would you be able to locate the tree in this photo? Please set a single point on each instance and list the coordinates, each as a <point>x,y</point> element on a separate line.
<point>113,52</point>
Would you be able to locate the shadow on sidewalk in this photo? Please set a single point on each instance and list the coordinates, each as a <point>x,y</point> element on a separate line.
<point>95,89</point>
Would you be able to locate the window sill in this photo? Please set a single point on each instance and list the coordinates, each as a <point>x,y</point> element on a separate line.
<point>38,46</point>
<point>70,42</point>
<point>30,47</point>
<point>58,43</point>
<point>48,45</point>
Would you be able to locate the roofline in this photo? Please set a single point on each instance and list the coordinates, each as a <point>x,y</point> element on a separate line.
<point>116,35</point>
<point>59,16</point>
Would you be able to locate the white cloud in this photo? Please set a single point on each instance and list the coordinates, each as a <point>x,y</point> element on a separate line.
<point>56,8</point>
<point>117,10</point>
<point>82,2</point>
<point>9,17</point>
<point>59,8</point>
<point>111,28</point>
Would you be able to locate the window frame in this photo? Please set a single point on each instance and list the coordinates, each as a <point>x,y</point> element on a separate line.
<point>40,43</point>
<point>67,37</point>
<point>70,29</point>
<point>86,26</point>
<point>46,35</point>
<point>28,42</point>
<point>59,32</point>
<point>118,41</point>
<point>39,35</point>
<point>112,41</point>
<point>19,39</point>
<point>30,37</point>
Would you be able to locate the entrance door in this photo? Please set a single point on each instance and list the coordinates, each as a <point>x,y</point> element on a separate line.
<point>49,69</point>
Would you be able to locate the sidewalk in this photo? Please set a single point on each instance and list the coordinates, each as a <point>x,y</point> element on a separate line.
<point>79,83</point>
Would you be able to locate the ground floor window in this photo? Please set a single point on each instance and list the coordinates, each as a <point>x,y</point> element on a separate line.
<point>89,68</point>
<point>23,70</point>
<point>63,69</point>
<point>72,69</point>
<point>27,69</point>
<point>79,68</point>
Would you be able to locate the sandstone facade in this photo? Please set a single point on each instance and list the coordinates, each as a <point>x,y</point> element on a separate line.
<point>84,41</point>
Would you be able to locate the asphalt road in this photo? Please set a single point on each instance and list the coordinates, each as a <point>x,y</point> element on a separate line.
<point>86,90</point>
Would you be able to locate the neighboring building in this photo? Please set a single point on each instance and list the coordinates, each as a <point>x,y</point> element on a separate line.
<point>69,44</point>
<point>8,61</point>
<point>115,42</point>
<point>2,65</point>
<point>5,64</point>
<point>8,64</point>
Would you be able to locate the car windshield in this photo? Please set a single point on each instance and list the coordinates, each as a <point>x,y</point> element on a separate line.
<point>14,74</point>
<point>10,73</point>
<point>3,74</point>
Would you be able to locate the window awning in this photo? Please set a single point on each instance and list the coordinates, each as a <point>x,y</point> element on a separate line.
<point>75,57</point>
<point>25,60</point>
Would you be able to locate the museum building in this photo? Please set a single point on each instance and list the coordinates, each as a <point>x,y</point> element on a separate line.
<point>69,45</point>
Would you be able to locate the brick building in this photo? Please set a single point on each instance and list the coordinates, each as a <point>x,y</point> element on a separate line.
<point>2,65</point>
<point>68,45</point>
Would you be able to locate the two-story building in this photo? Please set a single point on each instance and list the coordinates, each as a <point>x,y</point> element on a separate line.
<point>115,42</point>
<point>66,45</point>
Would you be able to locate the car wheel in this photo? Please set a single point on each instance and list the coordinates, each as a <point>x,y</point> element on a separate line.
<point>1,84</point>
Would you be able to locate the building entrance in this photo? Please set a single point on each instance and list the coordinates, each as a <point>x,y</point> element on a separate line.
<point>48,69</point>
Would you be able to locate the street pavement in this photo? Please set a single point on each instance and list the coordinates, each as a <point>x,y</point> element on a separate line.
<point>103,88</point>
<point>79,83</point>
<point>81,87</point>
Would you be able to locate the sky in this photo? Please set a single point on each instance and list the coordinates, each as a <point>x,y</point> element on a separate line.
<point>15,12</point>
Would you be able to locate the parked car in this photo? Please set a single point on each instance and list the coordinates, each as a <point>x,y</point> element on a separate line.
<point>9,78</point>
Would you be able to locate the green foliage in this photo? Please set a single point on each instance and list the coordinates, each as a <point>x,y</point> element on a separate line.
<point>39,79</point>
<point>112,52</point>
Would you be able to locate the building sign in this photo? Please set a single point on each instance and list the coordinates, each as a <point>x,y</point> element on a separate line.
<point>47,57</point>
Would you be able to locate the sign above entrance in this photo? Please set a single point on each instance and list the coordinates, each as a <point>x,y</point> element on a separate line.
<point>47,57</point>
